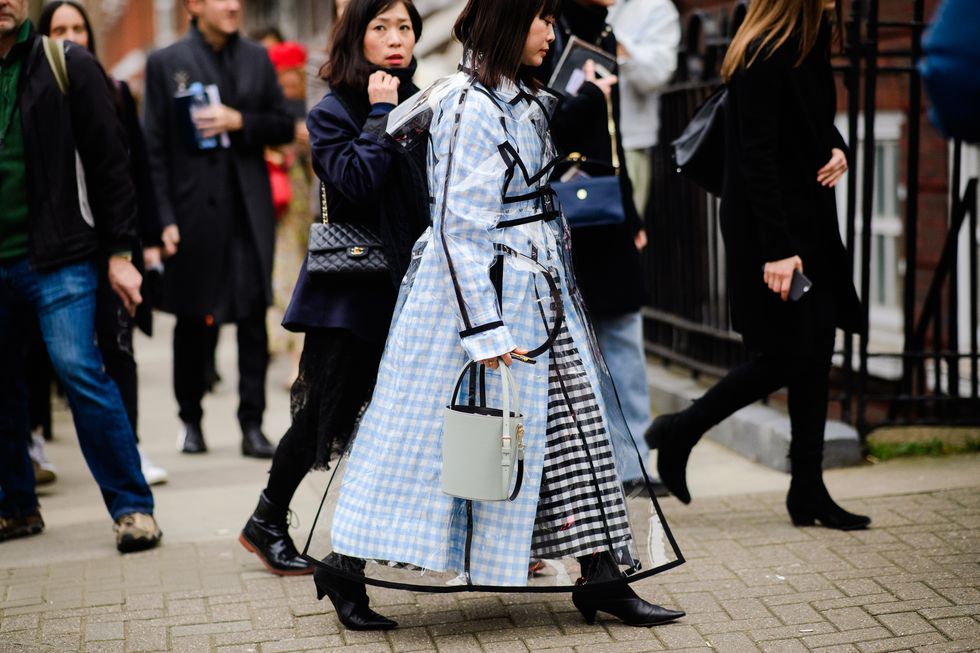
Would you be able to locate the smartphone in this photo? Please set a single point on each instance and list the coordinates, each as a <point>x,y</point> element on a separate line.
<point>799,286</point>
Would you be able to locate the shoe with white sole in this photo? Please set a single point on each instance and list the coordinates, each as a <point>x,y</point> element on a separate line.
<point>44,471</point>
<point>153,473</point>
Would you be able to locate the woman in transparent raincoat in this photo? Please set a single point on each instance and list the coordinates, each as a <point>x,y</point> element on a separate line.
<point>491,279</point>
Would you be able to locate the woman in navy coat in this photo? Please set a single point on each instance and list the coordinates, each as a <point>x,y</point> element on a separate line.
<point>370,181</point>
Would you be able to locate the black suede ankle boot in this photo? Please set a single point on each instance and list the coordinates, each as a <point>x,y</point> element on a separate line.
<point>614,596</point>
<point>674,436</point>
<point>266,534</point>
<point>349,597</point>
<point>808,502</point>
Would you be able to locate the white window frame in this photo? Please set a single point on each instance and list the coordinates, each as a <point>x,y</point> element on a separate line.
<point>886,321</point>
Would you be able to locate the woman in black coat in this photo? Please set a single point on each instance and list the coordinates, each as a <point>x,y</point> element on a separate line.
<point>778,216</point>
<point>370,181</point>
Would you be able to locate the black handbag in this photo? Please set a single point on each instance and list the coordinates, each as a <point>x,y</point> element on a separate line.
<point>593,200</point>
<point>699,152</point>
<point>343,248</point>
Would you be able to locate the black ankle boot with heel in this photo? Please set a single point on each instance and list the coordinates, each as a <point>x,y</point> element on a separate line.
<point>350,598</point>
<point>266,534</point>
<point>615,597</point>
<point>808,502</point>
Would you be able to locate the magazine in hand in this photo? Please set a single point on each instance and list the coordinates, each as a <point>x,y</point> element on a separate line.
<point>568,75</point>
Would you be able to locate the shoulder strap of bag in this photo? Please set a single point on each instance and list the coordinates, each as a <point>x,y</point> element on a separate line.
<point>54,51</point>
<point>324,212</point>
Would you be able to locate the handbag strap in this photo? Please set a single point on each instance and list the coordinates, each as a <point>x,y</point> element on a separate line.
<point>324,212</point>
<point>611,126</point>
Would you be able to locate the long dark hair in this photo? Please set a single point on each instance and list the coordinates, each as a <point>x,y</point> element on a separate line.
<point>346,66</point>
<point>44,22</point>
<point>494,34</point>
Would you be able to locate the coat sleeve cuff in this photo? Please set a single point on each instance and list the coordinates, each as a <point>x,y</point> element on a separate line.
<point>482,343</point>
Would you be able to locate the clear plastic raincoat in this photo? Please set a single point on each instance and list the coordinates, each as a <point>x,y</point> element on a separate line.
<point>492,274</point>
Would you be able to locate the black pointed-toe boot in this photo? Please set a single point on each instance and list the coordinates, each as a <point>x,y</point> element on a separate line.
<point>615,597</point>
<point>674,436</point>
<point>809,502</point>
<point>350,598</point>
<point>266,534</point>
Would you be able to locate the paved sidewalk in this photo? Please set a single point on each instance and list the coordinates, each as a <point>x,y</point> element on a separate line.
<point>752,582</point>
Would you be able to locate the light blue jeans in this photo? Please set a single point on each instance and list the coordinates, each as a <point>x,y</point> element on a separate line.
<point>621,342</point>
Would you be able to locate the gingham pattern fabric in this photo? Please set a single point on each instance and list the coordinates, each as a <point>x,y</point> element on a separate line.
<point>391,506</point>
<point>581,507</point>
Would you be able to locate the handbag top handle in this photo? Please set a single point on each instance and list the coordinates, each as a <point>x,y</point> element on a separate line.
<point>510,387</point>
<point>324,212</point>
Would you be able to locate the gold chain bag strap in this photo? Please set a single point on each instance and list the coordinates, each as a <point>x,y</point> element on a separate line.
<point>343,248</point>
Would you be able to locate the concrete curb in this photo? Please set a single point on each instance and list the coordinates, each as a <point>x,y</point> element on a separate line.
<point>760,433</point>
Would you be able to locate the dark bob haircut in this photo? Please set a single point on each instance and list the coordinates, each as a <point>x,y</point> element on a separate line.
<point>44,22</point>
<point>346,66</point>
<point>494,34</point>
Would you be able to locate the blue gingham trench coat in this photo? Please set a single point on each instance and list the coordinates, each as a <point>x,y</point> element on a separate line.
<point>485,146</point>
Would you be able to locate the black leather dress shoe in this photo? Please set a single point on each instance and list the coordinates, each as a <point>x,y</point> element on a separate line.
<point>192,438</point>
<point>255,444</point>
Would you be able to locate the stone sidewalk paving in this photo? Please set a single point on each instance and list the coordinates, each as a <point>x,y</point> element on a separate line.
<point>752,583</point>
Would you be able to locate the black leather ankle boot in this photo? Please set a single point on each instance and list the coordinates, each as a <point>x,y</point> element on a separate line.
<point>808,502</point>
<point>350,598</point>
<point>614,596</point>
<point>266,534</point>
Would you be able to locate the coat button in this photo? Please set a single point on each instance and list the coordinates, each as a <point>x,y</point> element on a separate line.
<point>212,202</point>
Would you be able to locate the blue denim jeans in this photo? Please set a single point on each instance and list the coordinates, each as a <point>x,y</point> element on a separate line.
<point>63,301</point>
<point>621,343</point>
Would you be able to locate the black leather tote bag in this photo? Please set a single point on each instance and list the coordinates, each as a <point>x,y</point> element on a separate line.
<point>699,152</point>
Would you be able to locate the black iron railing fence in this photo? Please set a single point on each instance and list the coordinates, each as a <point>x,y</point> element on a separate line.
<point>687,318</point>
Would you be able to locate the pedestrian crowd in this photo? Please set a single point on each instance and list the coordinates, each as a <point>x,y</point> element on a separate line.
<point>439,263</point>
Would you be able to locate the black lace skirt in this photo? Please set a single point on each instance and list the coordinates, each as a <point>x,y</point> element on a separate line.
<point>337,372</point>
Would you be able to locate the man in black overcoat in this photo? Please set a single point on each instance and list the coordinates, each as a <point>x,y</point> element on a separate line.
<point>216,207</point>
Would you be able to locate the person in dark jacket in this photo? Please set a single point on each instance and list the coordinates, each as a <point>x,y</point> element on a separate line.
<point>216,207</point>
<point>67,20</point>
<point>57,228</point>
<point>778,216</point>
<point>607,260</point>
<point>368,180</point>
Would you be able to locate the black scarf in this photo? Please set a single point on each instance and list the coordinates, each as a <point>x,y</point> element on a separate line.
<point>403,212</point>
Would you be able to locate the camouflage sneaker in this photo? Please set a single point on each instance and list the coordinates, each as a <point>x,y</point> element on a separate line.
<point>11,527</point>
<point>136,531</point>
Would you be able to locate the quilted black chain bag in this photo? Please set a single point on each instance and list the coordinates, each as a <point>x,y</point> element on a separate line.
<point>343,248</point>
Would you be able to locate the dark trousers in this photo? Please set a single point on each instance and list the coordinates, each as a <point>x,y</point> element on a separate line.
<point>114,331</point>
<point>194,343</point>
<point>805,375</point>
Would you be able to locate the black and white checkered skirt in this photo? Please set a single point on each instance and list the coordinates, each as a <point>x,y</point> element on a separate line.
<point>581,508</point>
